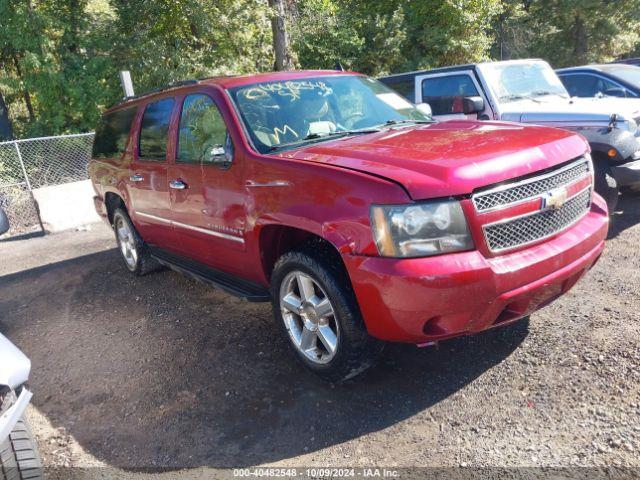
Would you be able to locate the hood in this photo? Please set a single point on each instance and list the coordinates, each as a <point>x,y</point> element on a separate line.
<point>14,365</point>
<point>449,158</point>
<point>554,108</point>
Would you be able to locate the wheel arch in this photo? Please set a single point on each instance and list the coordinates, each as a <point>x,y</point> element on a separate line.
<point>113,200</point>
<point>276,239</point>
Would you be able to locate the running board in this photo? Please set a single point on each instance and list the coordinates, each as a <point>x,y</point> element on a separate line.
<point>232,284</point>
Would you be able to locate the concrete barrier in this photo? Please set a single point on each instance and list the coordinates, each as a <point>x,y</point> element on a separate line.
<point>66,206</point>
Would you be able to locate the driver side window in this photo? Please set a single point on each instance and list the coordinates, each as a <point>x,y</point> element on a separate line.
<point>203,133</point>
<point>445,94</point>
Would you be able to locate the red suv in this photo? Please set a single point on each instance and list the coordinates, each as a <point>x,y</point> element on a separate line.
<point>359,217</point>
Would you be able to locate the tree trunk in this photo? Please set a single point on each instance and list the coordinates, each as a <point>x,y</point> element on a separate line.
<point>6,130</point>
<point>580,42</point>
<point>281,45</point>
<point>25,92</point>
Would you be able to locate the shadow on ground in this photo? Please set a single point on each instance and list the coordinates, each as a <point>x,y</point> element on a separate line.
<point>162,371</point>
<point>627,213</point>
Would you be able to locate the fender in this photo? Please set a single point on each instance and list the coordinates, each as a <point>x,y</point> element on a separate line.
<point>604,139</point>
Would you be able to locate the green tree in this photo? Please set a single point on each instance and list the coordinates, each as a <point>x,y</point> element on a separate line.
<point>568,32</point>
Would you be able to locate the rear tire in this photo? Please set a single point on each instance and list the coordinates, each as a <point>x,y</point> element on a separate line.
<point>606,185</point>
<point>19,458</point>
<point>133,251</point>
<point>328,287</point>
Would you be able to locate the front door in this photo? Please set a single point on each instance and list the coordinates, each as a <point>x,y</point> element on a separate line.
<point>206,189</point>
<point>445,92</point>
<point>148,185</point>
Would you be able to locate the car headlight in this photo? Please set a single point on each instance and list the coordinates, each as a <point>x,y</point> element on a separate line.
<point>420,229</point>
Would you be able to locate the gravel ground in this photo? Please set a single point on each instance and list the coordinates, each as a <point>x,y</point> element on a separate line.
<point>163,371</point>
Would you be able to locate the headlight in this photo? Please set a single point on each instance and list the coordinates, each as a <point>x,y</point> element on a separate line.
<point>420,229</point>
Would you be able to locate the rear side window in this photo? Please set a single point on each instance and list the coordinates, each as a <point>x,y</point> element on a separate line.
<point>154,130</point>
<point>202,130</point>
<point>404,87</point>
<point>444,94</point>
<point>112,133</point>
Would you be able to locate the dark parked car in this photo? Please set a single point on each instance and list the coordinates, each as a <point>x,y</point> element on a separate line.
<point>614,80</point>
<point>4,222</point>
<point>629,61</point>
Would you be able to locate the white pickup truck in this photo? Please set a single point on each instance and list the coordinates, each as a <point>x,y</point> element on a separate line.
<point>529,91</point>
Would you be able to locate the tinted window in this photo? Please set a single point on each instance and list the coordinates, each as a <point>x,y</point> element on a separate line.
<point>404,87</point>
<point>112,133</point>
<point>445,94</point>
<point>154,129</point>
<point>201,129</point>
<point>585,85</point>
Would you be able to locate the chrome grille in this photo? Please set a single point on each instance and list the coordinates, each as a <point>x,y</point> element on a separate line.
<point>530,188</point>
<point>521,231</point>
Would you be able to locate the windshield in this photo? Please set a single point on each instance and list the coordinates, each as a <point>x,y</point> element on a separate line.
<point>516,81</point>
<point>293,112</point>
<point>626,73</point>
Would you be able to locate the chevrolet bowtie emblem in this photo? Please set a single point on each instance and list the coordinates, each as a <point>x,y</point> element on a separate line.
<point>554,199</point>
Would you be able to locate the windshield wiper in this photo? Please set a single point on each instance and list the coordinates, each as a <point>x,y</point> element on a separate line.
<point>405,120</point>
<point>542,93</point>
<point>518,96</point>
<point>320,136</point>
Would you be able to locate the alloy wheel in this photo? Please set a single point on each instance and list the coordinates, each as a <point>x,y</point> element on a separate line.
<point>309,317</point>
<point>127,243</point>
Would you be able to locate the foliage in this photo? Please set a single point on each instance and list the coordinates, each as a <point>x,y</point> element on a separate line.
<point>569,32</point>
<point>59,59</point>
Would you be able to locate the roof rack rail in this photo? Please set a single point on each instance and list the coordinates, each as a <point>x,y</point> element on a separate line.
<point>179,83</point>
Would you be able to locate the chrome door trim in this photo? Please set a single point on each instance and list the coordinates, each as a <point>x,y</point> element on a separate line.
<point>213,233</point>
<point>153,217</point>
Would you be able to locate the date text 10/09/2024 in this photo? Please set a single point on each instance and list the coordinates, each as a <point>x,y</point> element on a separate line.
<point>317,472</point>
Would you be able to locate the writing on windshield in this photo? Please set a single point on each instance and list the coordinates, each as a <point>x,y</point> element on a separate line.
<point>289,112</point>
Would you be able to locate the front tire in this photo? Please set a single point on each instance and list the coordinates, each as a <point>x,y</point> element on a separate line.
<point>317,312</point>
<point>19,458</point>
<point>134,252</point>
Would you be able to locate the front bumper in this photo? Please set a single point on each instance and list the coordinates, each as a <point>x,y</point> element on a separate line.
<point>11,416</point>
<point>427,299</point>
<point>627,174</point>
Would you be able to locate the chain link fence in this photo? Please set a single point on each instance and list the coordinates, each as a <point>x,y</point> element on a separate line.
<point>26,165</point>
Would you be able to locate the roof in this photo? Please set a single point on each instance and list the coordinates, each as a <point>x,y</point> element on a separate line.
<point>227,82</point>
<point>454,68</point>
<point>606,68</point>
<point>237,81</point>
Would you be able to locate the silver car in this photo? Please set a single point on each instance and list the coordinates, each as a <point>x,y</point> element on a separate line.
<point>19,457</point>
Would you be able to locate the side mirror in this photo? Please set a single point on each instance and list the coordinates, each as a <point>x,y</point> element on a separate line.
<point>616,92</point>
<point>425,108</point>
<point>221,155</point>
<point>472,105</point>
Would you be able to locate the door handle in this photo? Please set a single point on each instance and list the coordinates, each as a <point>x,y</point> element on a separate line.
<point>177,184</point>
<point>136,177</point>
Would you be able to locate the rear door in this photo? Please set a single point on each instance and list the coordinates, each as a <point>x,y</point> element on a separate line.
<point>444,92</point>
<point>149,188</point>
<point>207,191</point>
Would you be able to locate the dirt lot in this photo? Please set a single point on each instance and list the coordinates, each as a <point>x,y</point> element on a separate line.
<point>165,372</point>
